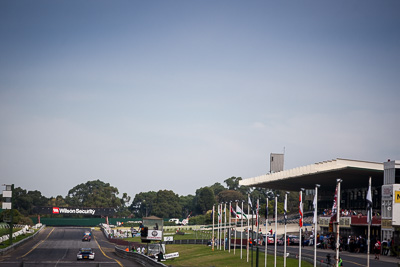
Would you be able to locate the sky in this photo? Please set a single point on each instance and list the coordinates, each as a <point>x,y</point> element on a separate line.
<point>179,95</point>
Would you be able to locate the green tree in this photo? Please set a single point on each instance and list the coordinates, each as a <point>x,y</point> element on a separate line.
<point>57,201</point>
<point>230,195</point>
<point>187,204</point>
<point>143,203</point>
<point>25,202</point>
<point>95,194</point>
<point>233,183</point>
<point>167,204</point>
<point>216,188</point>
<point>204,199</point>
<point>18,218</point>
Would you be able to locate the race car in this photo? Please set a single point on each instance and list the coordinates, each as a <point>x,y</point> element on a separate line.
<point>86,238</point>
<point>85,253</point>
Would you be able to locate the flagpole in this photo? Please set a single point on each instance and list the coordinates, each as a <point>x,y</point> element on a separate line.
<point>369,218</point>
<point>225,227</point>
<point>339,181</point>
<point>219,225</point>
<point>229,227</point>
<point>213,213</point>
<point>300,223</point>
<point>257,207</point>
<point>220,229</point>
<point>248,226</point>
<point>315,223</point>
<point>252,234</point>
<point>241,235</point>
<point>234,247</point>
<point>266,232</point>
<point>276,228</point>
<point>284,218</point>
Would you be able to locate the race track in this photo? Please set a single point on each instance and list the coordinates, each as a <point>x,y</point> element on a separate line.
<point>59,246</point>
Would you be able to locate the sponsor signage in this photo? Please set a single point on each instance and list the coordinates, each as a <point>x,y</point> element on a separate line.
<point>397,196</point>
<point>154,235</point>
<point>75,211</point>
<point>168,238</point>
<point>57,210</point>
<point>171,255</point>
<point>396,205</point>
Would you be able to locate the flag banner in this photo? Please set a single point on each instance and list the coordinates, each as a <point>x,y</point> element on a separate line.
<point>300,210</point>
<point>257,207</point>
<point>369,205</point>
<point>285,211</point>
<point>219,213</point>
<point>315,210</point>
<point>240,212</point>
<point>266,211</point>
<point>334,206</point>
<point>249,200</point>
<point>233,213</point>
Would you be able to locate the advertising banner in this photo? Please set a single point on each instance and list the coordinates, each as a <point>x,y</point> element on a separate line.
<point>154,235</point>
<point>75,211</point>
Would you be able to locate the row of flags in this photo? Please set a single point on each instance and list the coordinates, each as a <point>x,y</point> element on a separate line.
<point>238,213</point>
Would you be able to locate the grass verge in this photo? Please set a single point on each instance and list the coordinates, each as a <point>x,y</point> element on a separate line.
<point>202,256</point>
<point>6,243</point>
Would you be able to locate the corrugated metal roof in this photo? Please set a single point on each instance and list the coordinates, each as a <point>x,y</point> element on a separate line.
<point>324,173</point>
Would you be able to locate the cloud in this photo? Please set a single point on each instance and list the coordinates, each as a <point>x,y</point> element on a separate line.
<point>259,125</point>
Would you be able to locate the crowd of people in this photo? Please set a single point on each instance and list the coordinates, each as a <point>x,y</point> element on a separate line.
<point>355,244</point>
<point>346,212</point>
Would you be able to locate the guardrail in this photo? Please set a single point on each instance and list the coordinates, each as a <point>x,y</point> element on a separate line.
<point>134,256</point>
<point>17,244</point>
<point>138,258</point>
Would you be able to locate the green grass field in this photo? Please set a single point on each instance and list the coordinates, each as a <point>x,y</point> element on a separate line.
<point>202,256</point>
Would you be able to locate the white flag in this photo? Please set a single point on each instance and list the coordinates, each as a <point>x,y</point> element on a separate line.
<point>240,212</point>
<point>369,206</point>
<point>251,205</point>
<point>334,206</point>
<point>315,210</point>
<point>285,210</point>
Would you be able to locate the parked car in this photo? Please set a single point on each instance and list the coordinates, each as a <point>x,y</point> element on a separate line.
<point>293,240</point>
<point>85,253</point>
<point>290,240</point>
<point>270,240</point>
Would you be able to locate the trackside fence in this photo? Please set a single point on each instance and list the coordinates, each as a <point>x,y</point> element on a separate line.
<point>134,256</point>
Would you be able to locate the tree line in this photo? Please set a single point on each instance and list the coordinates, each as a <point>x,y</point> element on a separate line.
<point>163,203</point>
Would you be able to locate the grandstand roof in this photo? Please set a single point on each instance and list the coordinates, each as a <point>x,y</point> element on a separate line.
<point>354,174</point>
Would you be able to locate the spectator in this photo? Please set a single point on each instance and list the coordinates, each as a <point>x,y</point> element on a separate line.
<point>377,249</point>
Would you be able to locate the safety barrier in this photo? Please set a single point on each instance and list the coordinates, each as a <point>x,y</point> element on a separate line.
<point>138,258</point>
<point>17,244</point>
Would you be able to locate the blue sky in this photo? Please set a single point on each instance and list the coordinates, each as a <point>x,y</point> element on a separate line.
<point>178,95</point>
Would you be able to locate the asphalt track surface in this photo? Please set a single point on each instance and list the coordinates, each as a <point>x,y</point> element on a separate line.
<point>349,259</point>
<point>58,246</point>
